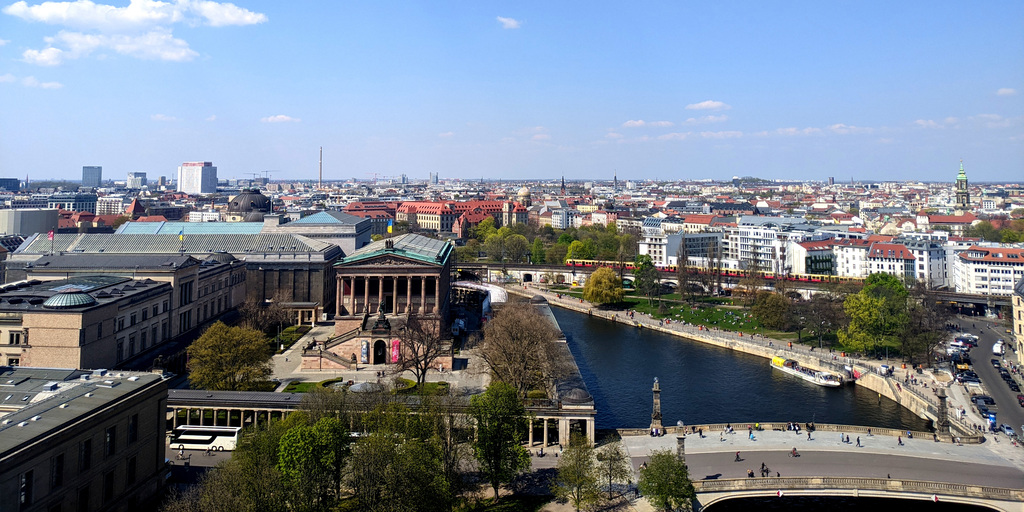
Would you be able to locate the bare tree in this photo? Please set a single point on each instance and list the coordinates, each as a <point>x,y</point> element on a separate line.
<point>519,347</point>
<point>424,342</point>
<point>265,315</point>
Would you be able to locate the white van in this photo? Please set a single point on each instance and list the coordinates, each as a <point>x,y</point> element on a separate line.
<point>998,349</point>
<point>956,344</point>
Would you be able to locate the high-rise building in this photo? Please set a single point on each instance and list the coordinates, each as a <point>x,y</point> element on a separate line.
<point>92,175</point>
<point>197,178</point>
<point>831,180</point>
<point>963,195</point>
<point>136,180</point>
<point>10,184</point>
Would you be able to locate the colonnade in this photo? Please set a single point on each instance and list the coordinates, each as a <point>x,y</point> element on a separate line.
<point>348,305</point>
<point>232,417</point>
<point>562,425</point>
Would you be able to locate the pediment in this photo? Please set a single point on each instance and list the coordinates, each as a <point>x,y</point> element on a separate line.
<point>389,260</point>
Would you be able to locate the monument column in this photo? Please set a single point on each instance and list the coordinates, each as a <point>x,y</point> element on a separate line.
<point>943,412</point>
<point>656,415</point>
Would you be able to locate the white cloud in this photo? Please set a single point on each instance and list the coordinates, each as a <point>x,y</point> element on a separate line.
<point>3,42</point>
<point>705,119</point>
<point>613,135</point>
<point>508,23</point>
<point>211,118</point>
<point>927,123</point>
<point>992,120</point>
<point>662,124</point>
<point>708,105</point>
<point>640,122</point>
<point>791,132</point>
<point>541,136</point>
<point>721,135</point>
<point>8,78</point>
<point>142,29</point>
<point>674,136</point>
<point>137,15</point>
<point>445,134</point>
<point>30,81</point>
<point>843,129</point>
<point>280,118</point>
<point>633,124</point>
<point>162,117</point>
<point>45,57</point>
<point>886,140</point>
<point>1006,91</point>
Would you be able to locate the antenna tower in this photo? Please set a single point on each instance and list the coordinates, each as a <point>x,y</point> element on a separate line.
<point>320,182</point>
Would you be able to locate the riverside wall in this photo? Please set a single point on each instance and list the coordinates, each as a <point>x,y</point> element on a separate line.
<point>918,403</point>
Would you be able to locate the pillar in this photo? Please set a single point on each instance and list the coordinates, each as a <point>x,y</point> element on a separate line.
<point>681,445</point>
<point>408,294</point>
<point>545,443</point>
<point>591,433</point>
<point>394,294</point>
<point>380,290</point>
<point>943,412</point>
<point>529,435</point>
<point>340,294</point>
<point>656,414</point>
<point>423,294</point>
<point>366,294</point>
<point>563,431</point>
<point>437,295</point>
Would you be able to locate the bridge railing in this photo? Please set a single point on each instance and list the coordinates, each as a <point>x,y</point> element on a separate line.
<point>878,484</point>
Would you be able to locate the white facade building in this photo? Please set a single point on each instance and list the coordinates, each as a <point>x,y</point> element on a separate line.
<point>136,180</point>
<point>197,178</point>
<point>988,270</point>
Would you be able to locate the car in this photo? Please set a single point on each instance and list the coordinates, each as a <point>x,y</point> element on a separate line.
<point>968,373</point>
<point>995,364</point>
<point>983,410</point>
<point>984,399</point>
<point>961,378</point>
<point>1008,430</point>
<point>1014,387</point>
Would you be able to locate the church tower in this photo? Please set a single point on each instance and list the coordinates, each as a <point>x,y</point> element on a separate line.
<point>563,186</point>
<point>963,196</point>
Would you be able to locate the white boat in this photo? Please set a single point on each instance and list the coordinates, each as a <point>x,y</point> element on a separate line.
<point>821,378</point>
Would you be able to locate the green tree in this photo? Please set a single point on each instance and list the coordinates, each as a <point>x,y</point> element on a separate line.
<point>229,359</point>
<point>517,249</point>
<point>556,254</point>
<point>537,251</point>
<point>771,310</point>
<point>581,250</point>
<point>485,229</point>
<point>501,423</point>
<point>577,474</point>
<point>666,481</point>
<point>646,278</point>
<point>878,314</point>
<point>603,287</point>
<point>495,247</point>
<point>613,464</point>
<point>468,252</point>
<point>311,458</point>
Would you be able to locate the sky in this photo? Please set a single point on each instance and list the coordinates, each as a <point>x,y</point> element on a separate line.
<point>670,90</point>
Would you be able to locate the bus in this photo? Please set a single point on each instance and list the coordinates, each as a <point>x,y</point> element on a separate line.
<point>197,437</point>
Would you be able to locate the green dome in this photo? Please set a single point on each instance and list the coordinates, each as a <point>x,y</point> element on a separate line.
<point>69,299</point>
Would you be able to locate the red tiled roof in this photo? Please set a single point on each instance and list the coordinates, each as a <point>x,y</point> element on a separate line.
<point>899,251</point>
<point>993,255</point>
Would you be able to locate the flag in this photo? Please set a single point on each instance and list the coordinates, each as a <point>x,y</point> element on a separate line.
<point>390,224</point>
<point>181,234</point>
<point>49,236</point>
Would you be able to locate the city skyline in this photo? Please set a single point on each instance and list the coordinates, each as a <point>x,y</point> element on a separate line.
<point>871,91</point>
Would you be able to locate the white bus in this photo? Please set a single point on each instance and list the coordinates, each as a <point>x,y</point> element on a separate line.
<point>196,437</point>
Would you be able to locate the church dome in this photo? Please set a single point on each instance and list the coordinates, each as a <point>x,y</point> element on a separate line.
<point>71,298</point>
<point>577,396</point>
<point>250,200</point>
<point>524,192</point>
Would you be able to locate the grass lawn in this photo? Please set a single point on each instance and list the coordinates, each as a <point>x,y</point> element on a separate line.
<point>429,388</point>
<point>297,386</point>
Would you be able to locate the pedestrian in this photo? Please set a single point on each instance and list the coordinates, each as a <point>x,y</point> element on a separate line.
<point>858,441</point>
<point>738,457</point>
<point>808,435</point>
<point>777,475</point>
<point>899,441</point>
<point>181,453</point>
<point>869,432</point>
<point>840,437</point>
<point>700,432</point>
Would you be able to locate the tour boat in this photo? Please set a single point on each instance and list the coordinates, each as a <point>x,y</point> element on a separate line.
<point>821,378</point>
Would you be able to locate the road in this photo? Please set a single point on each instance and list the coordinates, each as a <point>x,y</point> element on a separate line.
<point>1008,408</point>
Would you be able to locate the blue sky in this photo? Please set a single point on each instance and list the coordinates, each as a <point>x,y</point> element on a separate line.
<point>659,90</point>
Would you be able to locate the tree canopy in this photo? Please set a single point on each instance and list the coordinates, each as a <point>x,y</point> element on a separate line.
<point>501,424</point>
<point>229,359</point>
<point>518,347</point>
<point>603,287</point>
<point>577,474</point>
<point>666,481</point>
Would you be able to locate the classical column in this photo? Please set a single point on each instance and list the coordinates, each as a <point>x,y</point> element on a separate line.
<point>529,435</point>
<point>408,294</point>
<point>437,298</point>
<point>591,433</point>
<point>563,432</point>
<point>423,294</point>
<point>545,443</point>
<point>366,294</point>
<point>394,294</point>
<point>340,294</point>
<point>352,297</point>
<point>380,290</point>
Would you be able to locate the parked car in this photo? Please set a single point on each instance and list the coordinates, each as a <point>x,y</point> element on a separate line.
<point>995,364</point>
<point>962,378</point>
<point>1014,387</point>
<point>984,399</point>
<point>1008,430</point>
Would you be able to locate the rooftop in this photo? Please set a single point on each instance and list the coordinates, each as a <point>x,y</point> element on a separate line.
<point>418,247</point>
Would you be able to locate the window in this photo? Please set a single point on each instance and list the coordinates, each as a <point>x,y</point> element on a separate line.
<point>83,499</point>
<point>25,489</point>
<point>120,323</point>
<point>133,428</point>
<point>145,314</point>
<point>153,335</point>
<point>110,441</point>
<point>57,471</point>
<point>15,338</point>
<point>185,293</point>
<point>13,361</point>
<point>120,349</point>
<point>131,346</point>
<point>84,455</point>
<point>108,486</point>
<point>156,309</point>
<point>166,303</point>
<point>130,476</point>
<point>142,340</point>
<point>132,321</point>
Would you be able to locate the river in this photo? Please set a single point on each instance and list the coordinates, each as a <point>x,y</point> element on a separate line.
<point>706,384</point>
